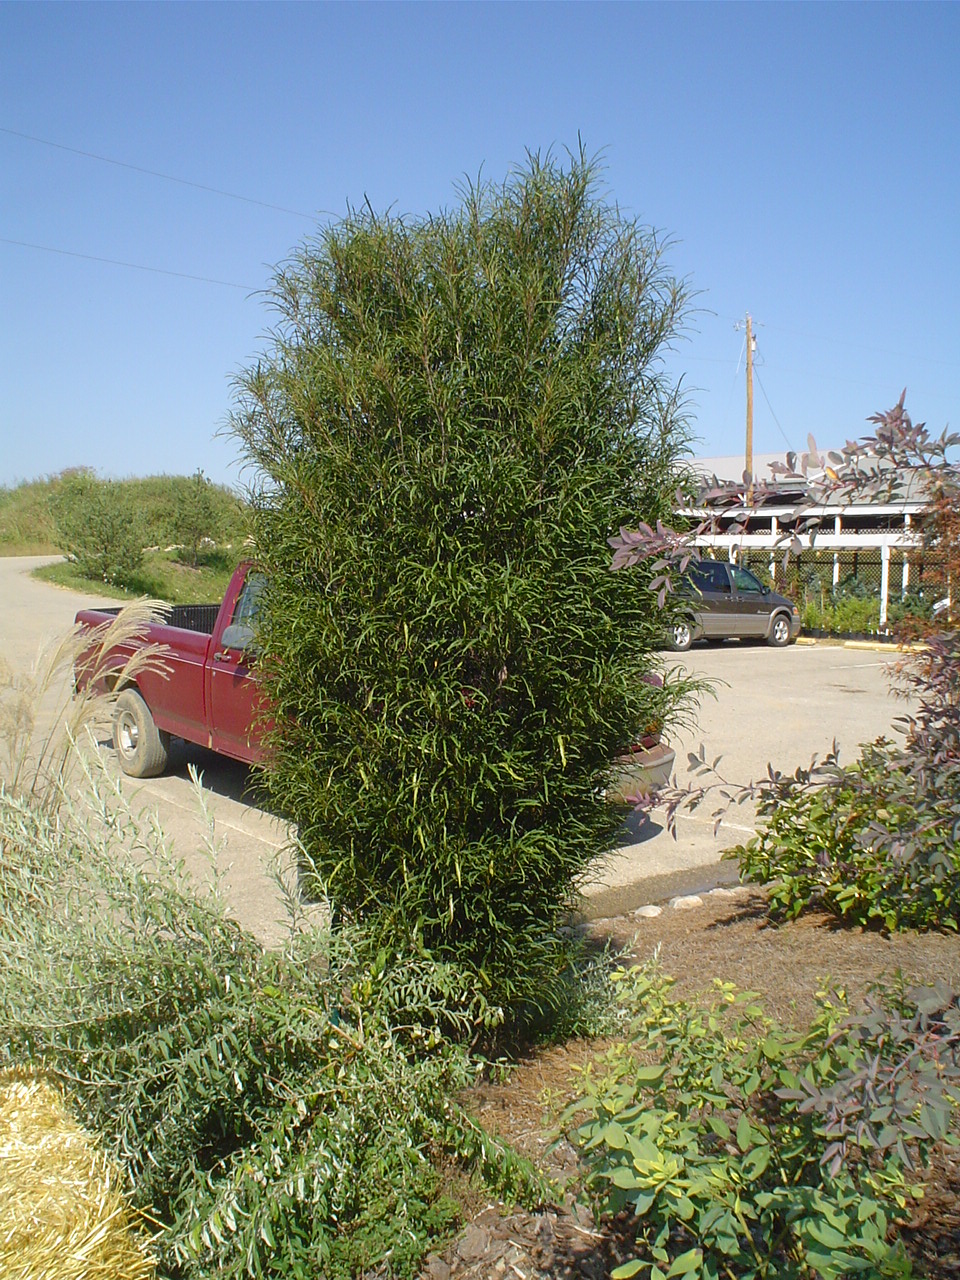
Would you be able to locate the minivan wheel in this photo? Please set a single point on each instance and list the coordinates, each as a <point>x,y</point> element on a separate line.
<point>779,635</point>
<point>680,637</point>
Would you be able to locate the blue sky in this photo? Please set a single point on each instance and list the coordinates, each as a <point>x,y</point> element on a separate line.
<point>804,158</point>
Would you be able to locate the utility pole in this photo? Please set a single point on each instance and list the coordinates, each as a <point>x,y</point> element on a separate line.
<point>748,452</point>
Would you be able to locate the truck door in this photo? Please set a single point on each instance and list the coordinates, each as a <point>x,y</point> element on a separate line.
<point>235,699</point>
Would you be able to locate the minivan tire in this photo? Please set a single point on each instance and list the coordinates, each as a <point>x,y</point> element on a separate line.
<point>142,749</point>
<point>779,636</point>
<point>680,637</point>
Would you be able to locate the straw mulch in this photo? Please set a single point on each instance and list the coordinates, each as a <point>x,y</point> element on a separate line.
<point>63,1215</point>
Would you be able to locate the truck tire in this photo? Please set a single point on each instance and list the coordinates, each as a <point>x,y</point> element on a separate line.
<point>142,749</point>
<point>779,636</point>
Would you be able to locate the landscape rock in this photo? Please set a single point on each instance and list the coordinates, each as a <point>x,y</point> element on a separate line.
<point>686,902</point>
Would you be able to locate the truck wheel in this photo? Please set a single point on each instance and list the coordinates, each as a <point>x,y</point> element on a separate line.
<point>680,637</point>
<point>142,748</point>
<point>779,635</point>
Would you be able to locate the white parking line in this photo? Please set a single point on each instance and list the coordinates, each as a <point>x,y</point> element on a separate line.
<point>218,819</point>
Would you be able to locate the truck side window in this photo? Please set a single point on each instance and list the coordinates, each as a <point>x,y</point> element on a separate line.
<point>247,607</point>
<point>240,632</point>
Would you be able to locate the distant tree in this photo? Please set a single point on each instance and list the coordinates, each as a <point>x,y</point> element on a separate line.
<point>456,413</point>
<point>98,527</point>
<point>195,516</point>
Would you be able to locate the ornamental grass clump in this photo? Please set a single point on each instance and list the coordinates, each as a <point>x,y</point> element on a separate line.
<point>457,411</point>
<point>42,718</point>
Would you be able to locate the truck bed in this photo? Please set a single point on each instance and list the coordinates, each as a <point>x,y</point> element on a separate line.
<point>201,618</point>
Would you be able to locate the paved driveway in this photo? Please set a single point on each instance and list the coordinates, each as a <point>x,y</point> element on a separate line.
<point>778,706</point>
<point>771,705</point>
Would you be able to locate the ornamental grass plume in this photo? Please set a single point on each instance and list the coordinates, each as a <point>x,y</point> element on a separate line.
<point>63,1215</point>
<point>41,715</point>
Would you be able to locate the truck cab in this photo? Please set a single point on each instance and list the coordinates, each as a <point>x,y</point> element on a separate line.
<point>204,689</point>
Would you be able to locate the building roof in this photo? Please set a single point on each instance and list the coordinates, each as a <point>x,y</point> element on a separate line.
<point>778,490</point>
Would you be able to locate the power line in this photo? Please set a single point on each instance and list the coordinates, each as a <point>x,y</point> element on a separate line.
<point>770,407</point>
<point>134,266</point>
<point>852,346</point>
<point>167,177</point>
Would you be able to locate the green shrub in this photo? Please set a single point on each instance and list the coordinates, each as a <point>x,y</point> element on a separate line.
<point>813,618</point>
<point>746,1151</point>
<point>195,517</point>
<point>280,1113</point>
<point>915,605</point>
<point>103,526</point>
<point>457,413</point>
<point>821,846</point>
<point>98,527</point>
<point>853,613</point>
<point>842,616</point>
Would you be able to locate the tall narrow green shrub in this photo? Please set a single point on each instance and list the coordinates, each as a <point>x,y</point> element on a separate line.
<point>454,415</point>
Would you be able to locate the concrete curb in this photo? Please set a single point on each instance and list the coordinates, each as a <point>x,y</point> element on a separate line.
<point>657,888</point>
<point>877,646</point>
<point>873,646</point>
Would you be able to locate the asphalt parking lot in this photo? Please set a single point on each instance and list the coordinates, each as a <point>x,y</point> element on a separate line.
<point>770,705</point>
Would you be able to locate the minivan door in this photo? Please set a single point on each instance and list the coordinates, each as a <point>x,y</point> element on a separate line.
<point>750,603</point>
<point>715,606</point>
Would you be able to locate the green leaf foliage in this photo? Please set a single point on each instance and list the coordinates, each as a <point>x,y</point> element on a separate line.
<point>876,843</point>
<point>278,1113</point>
<point>756,1152</point>
<point>456,413</point>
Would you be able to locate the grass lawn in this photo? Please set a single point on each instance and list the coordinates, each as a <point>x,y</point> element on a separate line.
<point>163,577</point>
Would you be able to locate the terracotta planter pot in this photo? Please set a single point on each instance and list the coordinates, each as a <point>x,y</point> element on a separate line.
<point>640,773</point>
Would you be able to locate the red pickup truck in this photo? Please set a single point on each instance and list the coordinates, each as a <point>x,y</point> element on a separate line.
<point>206,692</point>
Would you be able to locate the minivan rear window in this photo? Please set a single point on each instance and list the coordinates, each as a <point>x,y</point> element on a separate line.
<point>709,575</point>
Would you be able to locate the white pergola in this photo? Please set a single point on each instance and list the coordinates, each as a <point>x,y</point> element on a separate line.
<point>766,527</point>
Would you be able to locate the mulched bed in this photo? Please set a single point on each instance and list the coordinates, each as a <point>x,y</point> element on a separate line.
<point>729,937</point>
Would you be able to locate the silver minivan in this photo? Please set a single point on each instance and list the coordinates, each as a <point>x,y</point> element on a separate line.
<point>727,601</point>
